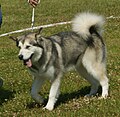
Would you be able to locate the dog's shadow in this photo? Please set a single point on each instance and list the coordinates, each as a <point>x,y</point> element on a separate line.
<point>63,98</point>
<point>5,95</point>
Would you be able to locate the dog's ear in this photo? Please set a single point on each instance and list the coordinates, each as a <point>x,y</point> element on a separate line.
<point>15,39</point>
<point>38,33</point>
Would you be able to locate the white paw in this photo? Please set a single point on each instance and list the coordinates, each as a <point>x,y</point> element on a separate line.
<point>48,107</point>
<point>103,97</point>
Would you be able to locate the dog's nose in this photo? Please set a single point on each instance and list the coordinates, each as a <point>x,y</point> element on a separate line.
<point>20,57</point>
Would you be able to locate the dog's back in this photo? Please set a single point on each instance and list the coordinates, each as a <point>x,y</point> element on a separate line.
<point>72,46</point>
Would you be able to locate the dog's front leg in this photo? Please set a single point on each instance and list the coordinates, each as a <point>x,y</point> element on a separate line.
<point>37,84</point>
<point>54,92</point>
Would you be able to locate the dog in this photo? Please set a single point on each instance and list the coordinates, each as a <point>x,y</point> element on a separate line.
<point>50,57</point>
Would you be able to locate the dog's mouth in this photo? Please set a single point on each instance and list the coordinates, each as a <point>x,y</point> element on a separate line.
<point>28,62</point>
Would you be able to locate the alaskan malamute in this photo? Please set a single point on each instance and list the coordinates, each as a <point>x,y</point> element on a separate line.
<point>49,57</point>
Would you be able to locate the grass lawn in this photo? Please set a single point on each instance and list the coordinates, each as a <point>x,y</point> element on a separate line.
<point>15,99</point>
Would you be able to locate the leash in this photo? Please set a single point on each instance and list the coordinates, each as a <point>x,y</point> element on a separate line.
<point>37,27</point>
<point>33,17</point>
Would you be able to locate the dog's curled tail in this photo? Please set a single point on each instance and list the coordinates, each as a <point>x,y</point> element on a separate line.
<point>85,24</point>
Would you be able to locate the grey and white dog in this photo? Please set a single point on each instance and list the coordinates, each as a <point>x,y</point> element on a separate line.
<point>50,57</point>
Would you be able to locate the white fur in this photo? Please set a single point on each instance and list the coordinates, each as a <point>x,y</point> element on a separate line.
<point>28,52</point>
<point>89,68</point>
<point>97,73</point>
<point>55,86</point>
<point>83,21</point>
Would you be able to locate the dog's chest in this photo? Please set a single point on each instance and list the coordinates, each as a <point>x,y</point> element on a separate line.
<point>42,71</point>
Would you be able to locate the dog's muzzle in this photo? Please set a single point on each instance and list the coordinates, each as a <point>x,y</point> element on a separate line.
<point>27,62</point>
<point>20,57</point>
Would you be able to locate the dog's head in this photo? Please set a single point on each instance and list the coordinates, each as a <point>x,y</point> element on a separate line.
<point>31,47</point>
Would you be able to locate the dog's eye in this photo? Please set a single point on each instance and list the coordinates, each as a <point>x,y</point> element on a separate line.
<point>27,47</point>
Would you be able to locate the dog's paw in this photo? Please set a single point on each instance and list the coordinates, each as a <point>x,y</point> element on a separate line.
<point>90,95</point>
<point>103,97</point>
<point>48,107</point>
<point>87,95</point>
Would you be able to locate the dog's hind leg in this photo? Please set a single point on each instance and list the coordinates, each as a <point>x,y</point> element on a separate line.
<point>37,84</point>
<point>105,86</point>
<point>95,77</point>
<point>94,83</point>
<point>54,92</point>
<point>94,88</point>
<point>95,72</point>
<point>98,74</point>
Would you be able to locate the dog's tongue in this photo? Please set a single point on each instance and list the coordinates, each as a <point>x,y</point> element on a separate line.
<point>29,63</point>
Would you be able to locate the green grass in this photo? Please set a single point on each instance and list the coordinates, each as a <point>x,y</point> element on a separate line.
<point>15,99</point>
